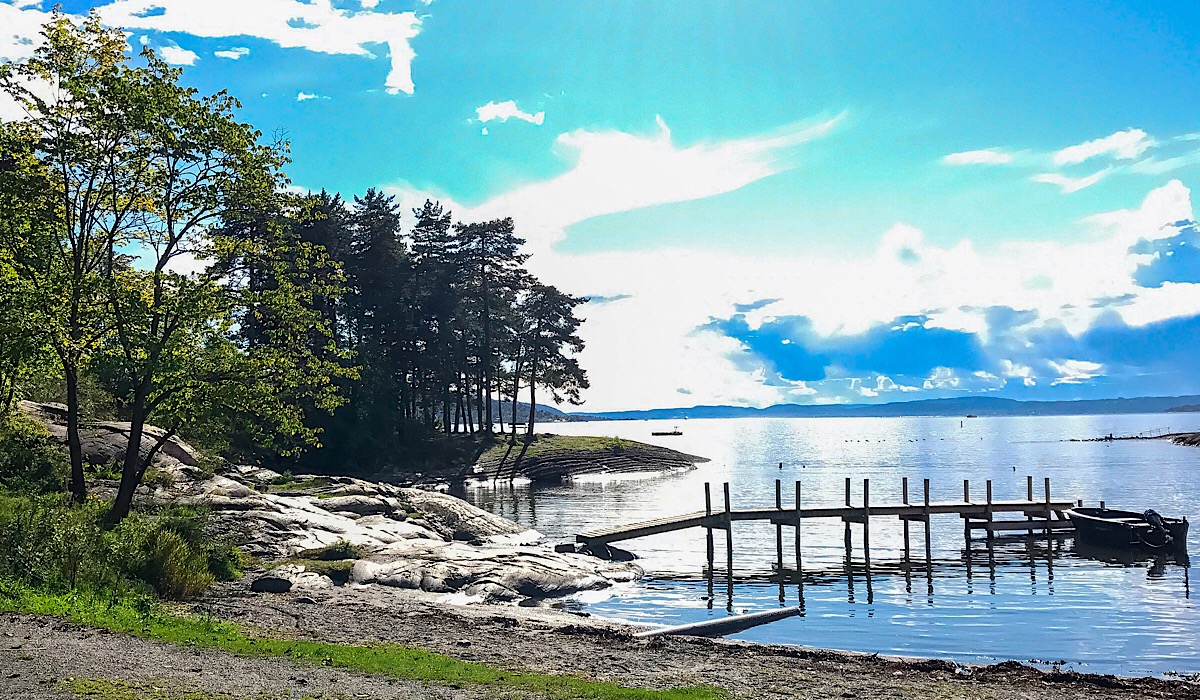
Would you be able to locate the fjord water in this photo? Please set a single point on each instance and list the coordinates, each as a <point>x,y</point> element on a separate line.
<point>1030,599</point>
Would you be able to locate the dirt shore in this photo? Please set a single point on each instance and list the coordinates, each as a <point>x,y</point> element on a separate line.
<point>37,653</point>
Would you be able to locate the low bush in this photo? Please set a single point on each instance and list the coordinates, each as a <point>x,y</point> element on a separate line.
<point>50,544</point>
<point>30,461</point>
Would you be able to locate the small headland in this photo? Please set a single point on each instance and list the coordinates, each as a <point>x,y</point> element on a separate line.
<point>1189,439</point>
<point>549,457</point>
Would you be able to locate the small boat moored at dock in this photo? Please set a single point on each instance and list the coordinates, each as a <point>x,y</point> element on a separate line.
<point>1126,528</point>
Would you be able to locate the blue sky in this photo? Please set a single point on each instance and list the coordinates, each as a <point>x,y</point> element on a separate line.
<point>768,201</point>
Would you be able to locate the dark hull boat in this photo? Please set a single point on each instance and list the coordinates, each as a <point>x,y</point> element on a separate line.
<point>1126,528</point>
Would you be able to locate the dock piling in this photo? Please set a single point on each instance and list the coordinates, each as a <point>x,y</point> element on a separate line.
<point>729,543</point>
<point>708,531</point>
<point>799,568</point>
<point>904,493</point>
<point>988,512</point>
<point>779,531</point>
<point>1029,497</point>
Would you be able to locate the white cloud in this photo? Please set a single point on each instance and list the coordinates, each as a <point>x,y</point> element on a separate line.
<point>305,96</point>
<point>1125,145</point>
<point>1071,184</point>
<point>314,26</point>
<point>634,349</point>
<point>507,110</point>
<point>233,54</point>
<point>178,56</point>
<point>1075,371</point>
<point>20,28</point>
<point>942,378</point>
<point>615,171</point>
<point>987,156</point>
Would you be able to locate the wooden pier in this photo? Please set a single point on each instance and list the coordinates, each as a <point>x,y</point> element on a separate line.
<point>1042,515</point>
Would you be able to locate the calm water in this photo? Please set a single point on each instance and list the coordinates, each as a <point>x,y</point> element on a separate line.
<point>1028,599</point>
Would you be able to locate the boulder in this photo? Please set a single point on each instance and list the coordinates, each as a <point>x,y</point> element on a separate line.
<point>290,577</point>
<point>359,504</point>
<point>454,518</point>
<point>492,572</point>
<point>270,583</point>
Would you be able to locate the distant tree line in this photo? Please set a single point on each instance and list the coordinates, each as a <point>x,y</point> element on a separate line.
<point>151,251</point>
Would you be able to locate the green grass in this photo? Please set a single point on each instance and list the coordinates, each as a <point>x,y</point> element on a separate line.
<point>553,445</point>
<point>158,689</point>
<point>390,660</point>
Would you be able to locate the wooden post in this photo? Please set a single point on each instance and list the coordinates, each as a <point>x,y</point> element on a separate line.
<point>779,529</point>
<point>799,576</point>
<point>904,490</point>
<point>729,543</point>
<point>967,518</point>
<point>988,512</point>
<point>1029,497</point>
<point>708,529</point>
<point>928,537</point>
<point>1047,485</point>
<point>867,529</point>
<point>846,537</point>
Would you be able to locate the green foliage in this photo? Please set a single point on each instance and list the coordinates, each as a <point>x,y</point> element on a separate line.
<point>30,461</point>
<point>48,543</point>
<point>384,659</point>
<point>341,549</point>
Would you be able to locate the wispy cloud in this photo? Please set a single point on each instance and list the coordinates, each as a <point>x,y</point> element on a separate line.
<point>986,156</point>
<point>1071,184</point>
<point>306,96</point>
<point>503,111</point>
<point>1075,371</point>
<point>233,54</point>
<point>615,171</point>
<point>1124,145</point>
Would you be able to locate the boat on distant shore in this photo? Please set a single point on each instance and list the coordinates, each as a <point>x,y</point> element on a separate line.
<point>1127,528</point>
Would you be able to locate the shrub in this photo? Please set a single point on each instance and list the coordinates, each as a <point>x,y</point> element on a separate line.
<point>30,461</point>
<point>51,544</point>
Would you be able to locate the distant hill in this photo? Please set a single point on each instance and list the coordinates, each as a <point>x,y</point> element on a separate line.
<point>1193,408</point>
<point>962,406</point>
<point>545,414</point>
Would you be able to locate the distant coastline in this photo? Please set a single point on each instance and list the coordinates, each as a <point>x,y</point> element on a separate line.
<point>956,407</point>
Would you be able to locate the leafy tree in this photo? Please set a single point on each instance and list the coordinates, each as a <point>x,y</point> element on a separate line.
<point>550,339</point>
<point>73,91</point>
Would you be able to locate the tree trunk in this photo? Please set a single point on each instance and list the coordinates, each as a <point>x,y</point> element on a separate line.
<point>77,486</point>
<point>516,391</point>
<point>132,466</point>
<point>532,399</point>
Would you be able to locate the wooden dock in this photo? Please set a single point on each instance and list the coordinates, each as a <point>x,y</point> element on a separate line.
<point>1041,515</point>
<point>1045,516</point>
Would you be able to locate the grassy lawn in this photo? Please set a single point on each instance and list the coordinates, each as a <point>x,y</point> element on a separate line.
<point>556,445</point>
<point>391,660</point>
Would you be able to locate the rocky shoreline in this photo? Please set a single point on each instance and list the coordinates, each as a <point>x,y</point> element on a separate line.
<point>352,561</point>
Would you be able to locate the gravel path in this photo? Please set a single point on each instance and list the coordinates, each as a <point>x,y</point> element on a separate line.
<point>554,642</point>
<point>37,654</point>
